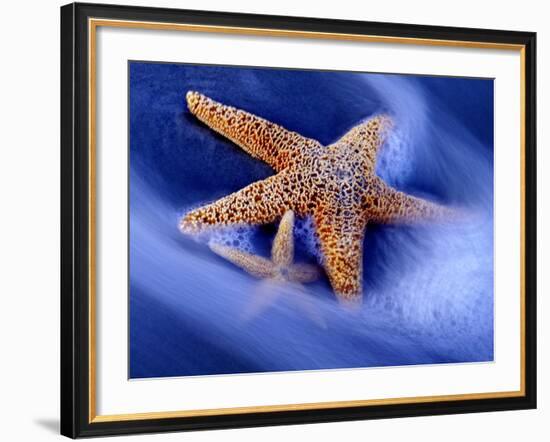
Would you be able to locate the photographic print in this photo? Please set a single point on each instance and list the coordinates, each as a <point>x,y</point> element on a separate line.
<point>282,220</point>
<point>301,220</point>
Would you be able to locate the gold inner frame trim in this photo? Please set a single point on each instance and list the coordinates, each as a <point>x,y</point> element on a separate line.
<point>93,24</point>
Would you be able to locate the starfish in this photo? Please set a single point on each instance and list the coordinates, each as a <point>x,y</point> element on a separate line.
<point>278,270</point>
<point>335,184</point>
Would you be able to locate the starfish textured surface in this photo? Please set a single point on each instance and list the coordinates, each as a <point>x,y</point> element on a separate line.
<point>335,184</point>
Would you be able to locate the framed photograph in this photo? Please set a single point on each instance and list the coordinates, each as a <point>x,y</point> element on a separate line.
<point>278,220</point>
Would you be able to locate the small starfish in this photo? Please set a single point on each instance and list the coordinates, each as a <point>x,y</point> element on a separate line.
<point>335,184</point>
<point>280,267</point>
<point>278,270</point>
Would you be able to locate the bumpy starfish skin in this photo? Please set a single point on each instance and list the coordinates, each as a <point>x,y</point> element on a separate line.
<point>262,139</point>
<point>281,267</point>
<point>335,184</point>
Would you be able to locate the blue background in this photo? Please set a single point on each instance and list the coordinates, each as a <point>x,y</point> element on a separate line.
<point>428,295</point>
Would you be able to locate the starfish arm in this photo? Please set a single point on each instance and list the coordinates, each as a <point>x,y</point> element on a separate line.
<point>282,252</point>
<point>260,138</point>
<point>261,202</point>
<point>252,264</point>
<point>368,137</point>
<point>264,296</point>
<point>341,240</point>
<point>394,206</point>
<point>302,273</point>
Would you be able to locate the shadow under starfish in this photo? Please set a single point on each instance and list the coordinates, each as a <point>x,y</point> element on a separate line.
<point>335,184</point>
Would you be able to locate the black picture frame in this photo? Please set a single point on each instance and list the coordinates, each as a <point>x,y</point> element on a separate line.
<point>75,219</point>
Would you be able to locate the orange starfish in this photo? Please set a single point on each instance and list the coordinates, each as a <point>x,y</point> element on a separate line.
<point>335,184</point>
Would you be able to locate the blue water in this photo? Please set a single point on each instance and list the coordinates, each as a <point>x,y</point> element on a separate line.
<point>428,289</point>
